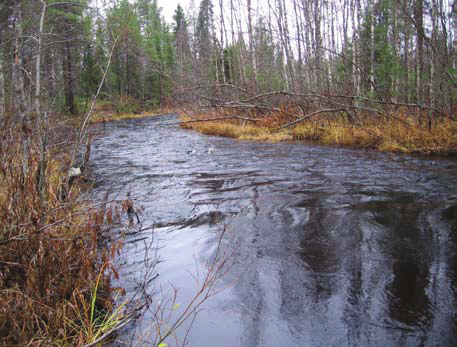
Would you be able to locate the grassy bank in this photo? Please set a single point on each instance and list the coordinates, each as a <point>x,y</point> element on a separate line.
<point>54,277</point>
<point>387,135</point>
<point>107,111</point>
<point>402,135</point>
<point>236,129</point>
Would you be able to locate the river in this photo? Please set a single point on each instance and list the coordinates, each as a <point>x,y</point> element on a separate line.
<point>330,246</point>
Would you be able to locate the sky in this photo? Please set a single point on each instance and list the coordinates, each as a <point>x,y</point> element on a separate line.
<point>169,7</point>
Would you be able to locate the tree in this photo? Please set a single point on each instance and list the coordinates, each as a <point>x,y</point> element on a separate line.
<point>93,57</point>
<point>268,77</point>
<point>122,21</point>
<point>182,45</point>
<point>66,19</point>
<point>203,35</point>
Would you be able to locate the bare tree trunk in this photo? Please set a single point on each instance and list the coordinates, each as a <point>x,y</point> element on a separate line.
<point>289,52</point>
<point>242,59</point>
<point>355,51</point>
<point>418,18</point>
<point>372,47</point>
<point>406,60</point>
<point>308,39</point>
<point>345,21</point>
<point>283,44</point>
<point>454,38</point>
<point>396,45</point>
<point>318,44</point>
<point>68,78</point>
<point>38,59</point>
<point>221,4</point>
<point>42,123</point>
<point>2,86</point>
<point>127,69</point>
<point>299,47</point>
<point>230,57</point>
<point>432,60</point>
<point>17,80</point>
<point>332,78</point>
<point>251,49</point>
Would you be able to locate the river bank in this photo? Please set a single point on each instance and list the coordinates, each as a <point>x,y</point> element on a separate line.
<point>55,267</point>
<point>388,135</point>
<point>402,134</point>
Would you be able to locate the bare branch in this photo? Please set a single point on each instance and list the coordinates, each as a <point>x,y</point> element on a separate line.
<point>329,110</point>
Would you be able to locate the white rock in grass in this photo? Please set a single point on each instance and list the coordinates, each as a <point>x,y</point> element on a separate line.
<point>74,171</point>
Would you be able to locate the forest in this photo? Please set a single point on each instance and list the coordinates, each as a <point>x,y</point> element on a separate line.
<point>357,63</point>
<point>376,74</point>
<point>318,54</point>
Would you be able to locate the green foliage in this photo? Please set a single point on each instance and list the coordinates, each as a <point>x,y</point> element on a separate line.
<point>125,37</point>
<point>204,30</point>
<point>91,73</point>
<point>268,60</point>
<point>159,53</point>
<point>181,44</point>
<point>387,67</point>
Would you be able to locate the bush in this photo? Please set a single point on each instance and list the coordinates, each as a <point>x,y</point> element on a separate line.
<point>54,279</point>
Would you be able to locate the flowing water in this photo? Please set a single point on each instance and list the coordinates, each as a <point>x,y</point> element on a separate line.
<point>331,246</point>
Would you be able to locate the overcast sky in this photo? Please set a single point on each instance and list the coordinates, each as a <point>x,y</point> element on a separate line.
<point>169,7</point>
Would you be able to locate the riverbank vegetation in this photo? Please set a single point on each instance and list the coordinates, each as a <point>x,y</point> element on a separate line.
<point>402,134</point>
<point>54,275</point>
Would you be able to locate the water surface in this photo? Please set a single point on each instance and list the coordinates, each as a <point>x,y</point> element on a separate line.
<point>334,247</point>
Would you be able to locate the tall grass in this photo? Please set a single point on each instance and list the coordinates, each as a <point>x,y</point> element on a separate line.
<point>54,277</point>
<point>235,129</point>
<point>403,134</point>
<point>387,135</point>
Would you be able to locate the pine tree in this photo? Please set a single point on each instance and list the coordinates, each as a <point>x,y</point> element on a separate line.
<point>123,23</point>
<point>66,20</point>
<point>182,45</point>
<point>203,35</point>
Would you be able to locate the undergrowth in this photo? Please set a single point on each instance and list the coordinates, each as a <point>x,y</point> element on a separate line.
<point>54,276</point>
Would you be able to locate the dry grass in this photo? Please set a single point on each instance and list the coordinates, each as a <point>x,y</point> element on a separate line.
<point>389,136</point>
<point>235,129</point>
<point>54,278</point>
<point>101,117</point>
<point>403,135</point>
<point>105,111</point>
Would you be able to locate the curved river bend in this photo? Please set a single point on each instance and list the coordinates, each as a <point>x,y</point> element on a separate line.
<point>334,247</point>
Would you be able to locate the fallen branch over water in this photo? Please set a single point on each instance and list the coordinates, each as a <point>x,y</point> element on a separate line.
<point>215,119</point>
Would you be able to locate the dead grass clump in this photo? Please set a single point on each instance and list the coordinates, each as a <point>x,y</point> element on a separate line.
<point>234,128</point>
<point>54,280</point>
<point>127,108</point>
<point>385,135</point>
<point>403,133</point>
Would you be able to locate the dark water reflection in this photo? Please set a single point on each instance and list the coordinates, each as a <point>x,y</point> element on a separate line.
<point>335,247</point>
